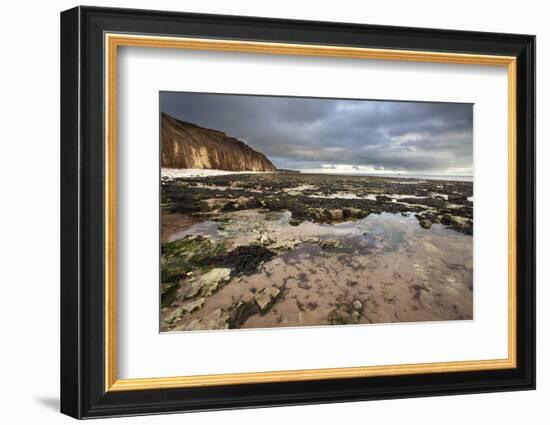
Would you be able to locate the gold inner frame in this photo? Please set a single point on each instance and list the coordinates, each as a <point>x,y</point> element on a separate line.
<point>113,41</point>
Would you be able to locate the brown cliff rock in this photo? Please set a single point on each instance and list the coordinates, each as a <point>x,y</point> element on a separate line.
<point>186,145</point>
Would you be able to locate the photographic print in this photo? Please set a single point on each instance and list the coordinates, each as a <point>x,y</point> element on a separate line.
<point>329,189</point>
<point>292,211</point>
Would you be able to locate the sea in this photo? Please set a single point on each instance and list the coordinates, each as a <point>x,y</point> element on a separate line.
<point>446,177</point>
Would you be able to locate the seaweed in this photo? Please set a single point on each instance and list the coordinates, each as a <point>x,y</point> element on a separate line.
<point>243,259</point>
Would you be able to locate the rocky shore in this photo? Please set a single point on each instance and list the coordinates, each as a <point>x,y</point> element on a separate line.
<point>288,249</point>
<point>326,198</point>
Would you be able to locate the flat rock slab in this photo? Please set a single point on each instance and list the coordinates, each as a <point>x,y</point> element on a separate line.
<point>207,283</point>
<point>191,306</point>
<point>266,297</point>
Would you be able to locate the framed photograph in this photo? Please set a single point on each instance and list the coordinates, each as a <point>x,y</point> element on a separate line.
<point>261,212</point>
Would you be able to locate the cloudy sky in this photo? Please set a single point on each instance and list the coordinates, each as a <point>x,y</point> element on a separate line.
<point>339,136</point>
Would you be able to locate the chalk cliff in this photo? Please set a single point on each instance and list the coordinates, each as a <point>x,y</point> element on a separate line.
<point>186,145</point>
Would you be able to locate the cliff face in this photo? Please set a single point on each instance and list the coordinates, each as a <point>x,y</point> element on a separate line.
<point>186,145</point>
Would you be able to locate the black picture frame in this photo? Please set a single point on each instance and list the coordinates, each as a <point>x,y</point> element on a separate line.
<point>83,392</point>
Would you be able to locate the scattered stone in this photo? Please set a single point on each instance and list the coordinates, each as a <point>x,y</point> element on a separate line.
<point>425,223</point>
<point>336,214</point>
<point>330,244</point>
<point>357,305</point>
<point>432,217</point>
<point>266,298</point>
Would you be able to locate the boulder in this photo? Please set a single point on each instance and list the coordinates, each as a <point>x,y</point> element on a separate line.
<point>425,223</point>
<point>316,214</point>
<point>336,214</point>
<point>432,217</point>
<point>350,212</point>
<point>460,224</point>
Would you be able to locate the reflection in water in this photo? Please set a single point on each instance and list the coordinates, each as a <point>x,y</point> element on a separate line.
<point>383,268</point>
<point>205,228</point>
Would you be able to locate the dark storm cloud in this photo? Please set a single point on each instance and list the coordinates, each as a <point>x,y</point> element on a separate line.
<point>306,133</point>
